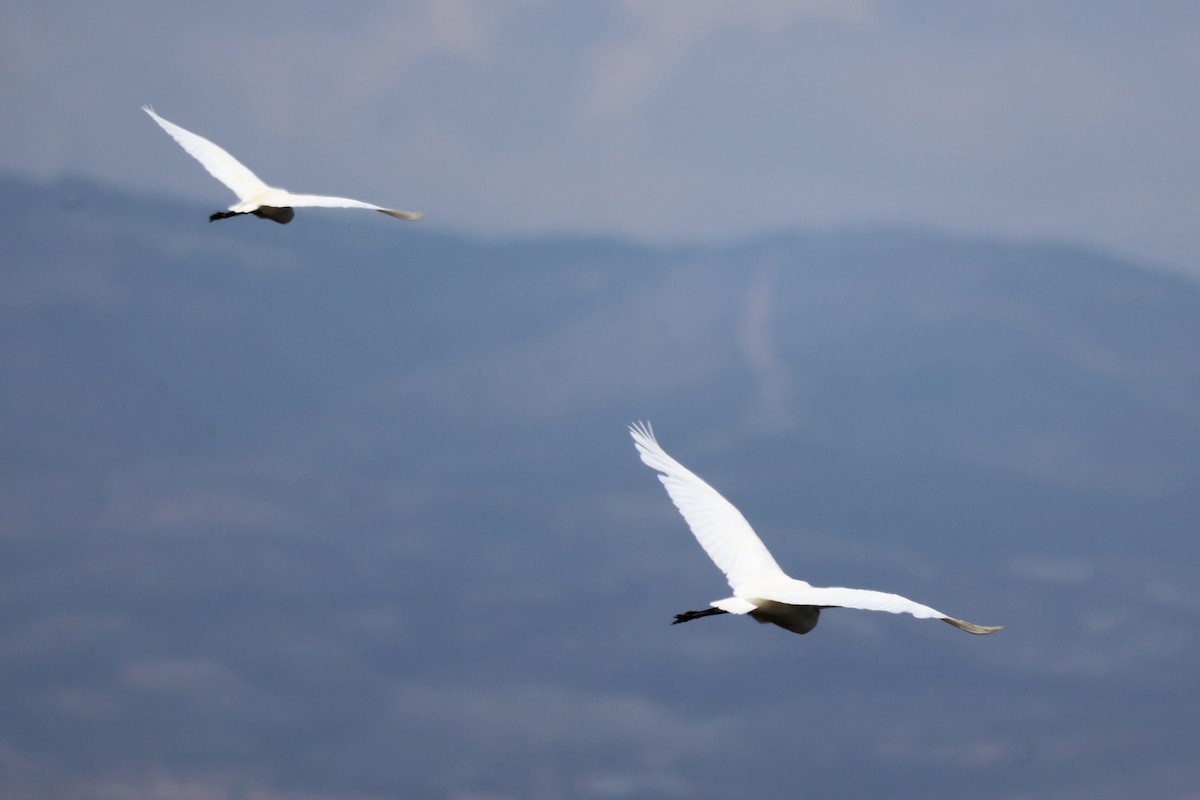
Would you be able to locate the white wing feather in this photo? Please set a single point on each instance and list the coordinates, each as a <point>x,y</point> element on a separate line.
<point>841,597</point>
<point>719,527</point>
<point>222,166</point>
<point>321,201</point>
<point>869,600</point>
<point>866,600</point>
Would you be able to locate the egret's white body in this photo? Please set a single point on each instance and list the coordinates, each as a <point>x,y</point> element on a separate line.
<point>254,196</point>
<point>760,588</point>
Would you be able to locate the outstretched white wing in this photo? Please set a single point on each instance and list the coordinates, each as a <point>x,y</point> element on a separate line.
<point>321,201</point>
<point>222,166</point>
<point>720,528</point>
<point>732,544</point>
<point>867,600</point>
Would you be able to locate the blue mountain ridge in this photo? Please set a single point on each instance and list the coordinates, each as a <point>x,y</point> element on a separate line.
<point>348,508</point>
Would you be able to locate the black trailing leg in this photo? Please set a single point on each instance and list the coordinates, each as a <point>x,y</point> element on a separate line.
<point>280,214</point>
<point>688,616</point>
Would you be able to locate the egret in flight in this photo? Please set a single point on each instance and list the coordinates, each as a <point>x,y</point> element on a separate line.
<point>760,588</point>
<point>254,196</point>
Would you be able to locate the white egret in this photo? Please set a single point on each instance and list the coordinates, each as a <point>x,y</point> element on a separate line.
<point>254,196</point>
<point>760,588</point>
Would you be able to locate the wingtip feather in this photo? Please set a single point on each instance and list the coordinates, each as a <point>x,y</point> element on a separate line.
<point>409,215</point>
<point>969,627</point>
<point>641,429</point>
<point>647,446</point>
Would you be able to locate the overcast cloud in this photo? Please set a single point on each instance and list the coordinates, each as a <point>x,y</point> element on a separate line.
<point>664,120</point>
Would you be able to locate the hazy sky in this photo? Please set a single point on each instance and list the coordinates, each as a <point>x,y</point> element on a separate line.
<point>667,120</point>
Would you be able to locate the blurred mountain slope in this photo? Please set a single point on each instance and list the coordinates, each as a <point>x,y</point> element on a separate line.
<point>347,508</point>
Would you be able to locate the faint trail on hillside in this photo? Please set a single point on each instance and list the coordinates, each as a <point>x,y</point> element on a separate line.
<point>772,407</point>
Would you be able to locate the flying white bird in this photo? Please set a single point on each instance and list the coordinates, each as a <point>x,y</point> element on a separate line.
<point>254,196</point>
<point>760,588</point>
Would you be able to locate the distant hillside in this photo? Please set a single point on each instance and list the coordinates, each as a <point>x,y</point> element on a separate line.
<point>347,507</point>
